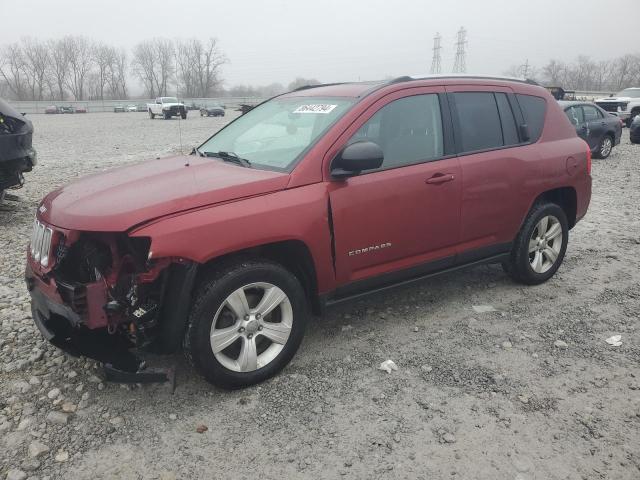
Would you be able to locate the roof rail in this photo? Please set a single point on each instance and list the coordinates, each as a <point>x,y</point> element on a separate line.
<point>408,78</point>
<point>307,87</point>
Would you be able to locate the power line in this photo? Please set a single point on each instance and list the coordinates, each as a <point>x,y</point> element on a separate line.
<point>460,63</point>
<point>436,62</point>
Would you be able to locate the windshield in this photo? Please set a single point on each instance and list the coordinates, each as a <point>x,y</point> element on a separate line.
<point>275,134</point>
<point>169,100</point>
<point>629,92</point>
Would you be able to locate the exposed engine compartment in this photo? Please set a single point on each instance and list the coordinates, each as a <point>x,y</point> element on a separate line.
<point>107,279</point>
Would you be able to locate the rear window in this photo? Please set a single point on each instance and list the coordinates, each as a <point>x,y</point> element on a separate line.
<point>533,110</point>
<point>479,121</point>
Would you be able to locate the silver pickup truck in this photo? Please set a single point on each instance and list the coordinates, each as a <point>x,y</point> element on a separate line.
<point>167,107</point>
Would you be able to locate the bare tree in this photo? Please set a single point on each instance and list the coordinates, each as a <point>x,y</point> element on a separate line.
<point>554,72</point>
<point>153,63</point>
<point>199,67</point>
<point>119,75</point>
<point>36,66</point>
<point>143,66</point>
<point>12,67</point>
<point>103,59</point>
<point>59,52</point>
<point>80,63</point>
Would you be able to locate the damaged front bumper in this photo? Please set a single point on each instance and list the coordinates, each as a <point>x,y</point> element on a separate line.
<point>104,310</point>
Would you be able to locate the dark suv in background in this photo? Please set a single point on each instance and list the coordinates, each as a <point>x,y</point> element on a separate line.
<point>312,198</point>
<point>17,156</point>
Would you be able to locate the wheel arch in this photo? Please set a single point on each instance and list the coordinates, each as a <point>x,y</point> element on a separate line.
<point>565,197</point>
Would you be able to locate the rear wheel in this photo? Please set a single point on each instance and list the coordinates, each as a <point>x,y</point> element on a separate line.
<point>604,147</point>
<point>540,246</point>
<point>151,115</point>
<point>246,323</point>
<point>184,114</point>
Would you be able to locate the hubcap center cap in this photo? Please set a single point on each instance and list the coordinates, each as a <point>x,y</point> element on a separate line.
<point>252,326</point>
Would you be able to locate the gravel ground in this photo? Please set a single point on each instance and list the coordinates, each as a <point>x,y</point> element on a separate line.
<point>530,390</point>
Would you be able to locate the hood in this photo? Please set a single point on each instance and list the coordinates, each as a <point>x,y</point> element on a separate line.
<point>119,199</point>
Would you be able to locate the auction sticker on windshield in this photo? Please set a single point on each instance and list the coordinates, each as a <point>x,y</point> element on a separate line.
<point>318,108</point>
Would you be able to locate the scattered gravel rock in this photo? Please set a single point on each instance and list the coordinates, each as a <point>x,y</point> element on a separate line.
<point>15,474</point>
<point>57,418</point>
<point>37,449</point>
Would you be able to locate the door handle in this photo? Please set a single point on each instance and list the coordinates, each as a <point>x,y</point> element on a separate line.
<point>440,178</point>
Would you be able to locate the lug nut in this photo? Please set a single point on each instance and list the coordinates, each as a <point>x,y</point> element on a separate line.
<point>249,336</point>
<point>260,327</point>
<point>246,317</point>
<point>258,315</point>
<point>241,329</point>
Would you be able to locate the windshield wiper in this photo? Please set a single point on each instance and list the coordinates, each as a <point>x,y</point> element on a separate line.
<point>228,157</point>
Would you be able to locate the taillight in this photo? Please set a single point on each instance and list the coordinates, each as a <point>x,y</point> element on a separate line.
<point>588,160</point>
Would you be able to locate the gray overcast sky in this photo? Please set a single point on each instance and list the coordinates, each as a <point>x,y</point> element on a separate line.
<point>277,40</point>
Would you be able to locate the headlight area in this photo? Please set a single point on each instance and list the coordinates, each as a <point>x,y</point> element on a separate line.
<point>101,297</point>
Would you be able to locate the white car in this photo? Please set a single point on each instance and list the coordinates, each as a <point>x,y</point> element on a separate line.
<point>625,104</point>
<point>131,108</point>
<point>167,107</point>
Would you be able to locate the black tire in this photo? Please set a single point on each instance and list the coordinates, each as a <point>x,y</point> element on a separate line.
<point>634,114</point>
<point>167,115</point>
<point>184,115</point>
<point>151,115</point>
<point>518,266</point>
<point>212,293</point>
<point>602,151</point>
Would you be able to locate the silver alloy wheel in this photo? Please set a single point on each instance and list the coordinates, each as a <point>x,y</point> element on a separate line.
<point>545,244</point>
<point>605,148</point>
<point>251,327</point>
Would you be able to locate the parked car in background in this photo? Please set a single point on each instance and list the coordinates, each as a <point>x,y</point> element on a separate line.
<point>193,106</point>
<point>212,111</point>
<point>625,104</point>
<point>141,107</point>
<point>132,108</point>
<point>67,109</point>
<point>51,109</point>
<point>167,107</point>
<point>119,109</point>
<point>634,130</point>
<point>17,156</point>
<point>309,199</point>
<point>595,126</point>
<point>81,109</point>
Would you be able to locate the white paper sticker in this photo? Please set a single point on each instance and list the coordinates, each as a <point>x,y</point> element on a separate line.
<point>317,108</point>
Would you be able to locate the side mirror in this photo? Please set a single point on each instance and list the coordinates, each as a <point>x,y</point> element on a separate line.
<point>355,158</point>
<point>524,132</point>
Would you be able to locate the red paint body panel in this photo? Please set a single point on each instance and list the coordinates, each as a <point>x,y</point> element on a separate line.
<point>119,199</point>
<point>209,208</point>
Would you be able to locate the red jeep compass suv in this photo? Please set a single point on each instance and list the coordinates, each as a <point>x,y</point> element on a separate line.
<point>313,197</point>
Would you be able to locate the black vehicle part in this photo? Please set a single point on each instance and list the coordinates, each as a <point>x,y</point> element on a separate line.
<point>16,153</point>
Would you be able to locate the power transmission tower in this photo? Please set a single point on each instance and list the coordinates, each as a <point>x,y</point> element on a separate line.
<point>524,68</point>
<point>436,66</point>
<point>460,63</point>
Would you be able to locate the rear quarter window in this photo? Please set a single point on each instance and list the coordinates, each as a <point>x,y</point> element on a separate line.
<point>533,109</point>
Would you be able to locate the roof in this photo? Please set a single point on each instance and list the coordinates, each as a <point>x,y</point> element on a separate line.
<point>568,103</point>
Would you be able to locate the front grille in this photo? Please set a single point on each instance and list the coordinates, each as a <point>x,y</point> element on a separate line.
<point>41,243</point>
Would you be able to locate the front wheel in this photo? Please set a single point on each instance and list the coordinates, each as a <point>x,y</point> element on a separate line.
<point>246,323</point>
<point>604,147</point>
<point>183,115</point>
<point>151,115</point>
<point>539,248</point>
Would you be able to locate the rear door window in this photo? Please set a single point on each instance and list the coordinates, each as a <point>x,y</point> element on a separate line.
<point>533,109</point>
<point>479,121</point>
<point>575,115</point>
<point>591,114</point>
